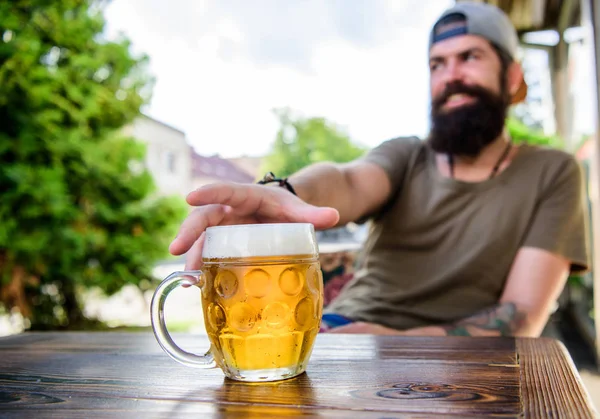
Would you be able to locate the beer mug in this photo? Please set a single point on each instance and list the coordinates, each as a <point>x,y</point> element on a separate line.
<point>262,299</point>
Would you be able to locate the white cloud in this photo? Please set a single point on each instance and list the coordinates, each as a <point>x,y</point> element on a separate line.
<point>220,69</point>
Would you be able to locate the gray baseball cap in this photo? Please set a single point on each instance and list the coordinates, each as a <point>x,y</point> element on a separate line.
<point>483,20</point>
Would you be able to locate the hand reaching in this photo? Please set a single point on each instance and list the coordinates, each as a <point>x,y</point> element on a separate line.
<point>231,203</point>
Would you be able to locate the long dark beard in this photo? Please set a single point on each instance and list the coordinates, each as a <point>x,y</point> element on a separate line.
<point>468,129</point>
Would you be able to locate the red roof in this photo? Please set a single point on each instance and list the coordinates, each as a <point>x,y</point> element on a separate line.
<point>218,168</point>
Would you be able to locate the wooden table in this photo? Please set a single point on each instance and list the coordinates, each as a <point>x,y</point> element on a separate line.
<point>83,375</point>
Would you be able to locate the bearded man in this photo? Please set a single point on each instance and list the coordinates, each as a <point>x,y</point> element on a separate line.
<point>470,234</point>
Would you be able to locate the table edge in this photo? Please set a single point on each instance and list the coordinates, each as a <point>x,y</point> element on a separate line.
<point>555,362</point>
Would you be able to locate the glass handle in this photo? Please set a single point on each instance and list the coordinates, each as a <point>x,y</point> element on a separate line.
<point>159,327</point>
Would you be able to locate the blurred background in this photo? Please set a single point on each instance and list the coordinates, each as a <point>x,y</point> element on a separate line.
<point>112,111</point>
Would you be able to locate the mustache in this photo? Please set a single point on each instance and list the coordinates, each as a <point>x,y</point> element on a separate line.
<point>456,88</point>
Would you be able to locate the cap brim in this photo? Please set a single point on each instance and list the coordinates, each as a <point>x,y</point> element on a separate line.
<point>521,93</point>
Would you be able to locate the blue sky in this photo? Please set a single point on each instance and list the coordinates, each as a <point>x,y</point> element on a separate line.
<point>221,66</point>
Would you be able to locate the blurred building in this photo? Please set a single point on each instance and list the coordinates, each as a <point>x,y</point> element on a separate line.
<point>177,168</point>
<point>168,155</point>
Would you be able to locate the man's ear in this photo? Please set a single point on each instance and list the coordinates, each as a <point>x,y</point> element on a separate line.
<point>516,82</point>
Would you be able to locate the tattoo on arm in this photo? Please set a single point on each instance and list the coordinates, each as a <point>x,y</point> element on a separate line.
<point>505,319</point>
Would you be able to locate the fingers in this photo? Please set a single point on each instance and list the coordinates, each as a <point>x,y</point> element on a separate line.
<point>231,194</point>
<point>321,217</point>
<point>244,202</point>
<point>270,203</point>
<point>194,225</point>
<point>193,259</point>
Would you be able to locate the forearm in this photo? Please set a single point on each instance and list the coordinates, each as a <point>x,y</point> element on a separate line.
<point>504,319</point>
<point>326,185</point>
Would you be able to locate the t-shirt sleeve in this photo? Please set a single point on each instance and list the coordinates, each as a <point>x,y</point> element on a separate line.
<point>560,222</point>
<point>393,156</point>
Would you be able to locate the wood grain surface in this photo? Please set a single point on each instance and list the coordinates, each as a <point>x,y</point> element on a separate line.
<point>82,375</point>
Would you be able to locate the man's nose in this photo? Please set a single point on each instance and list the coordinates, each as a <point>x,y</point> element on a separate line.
<point>452,73</point>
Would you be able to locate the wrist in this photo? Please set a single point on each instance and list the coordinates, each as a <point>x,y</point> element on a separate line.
<point>270,177</point>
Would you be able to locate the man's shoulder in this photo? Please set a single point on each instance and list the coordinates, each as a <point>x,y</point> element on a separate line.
<point>403,145</point>
<point>549,158</point>
<point>406,141</point>
<point>548,167</point>
<point>393,147</point>
<point>547,152</point>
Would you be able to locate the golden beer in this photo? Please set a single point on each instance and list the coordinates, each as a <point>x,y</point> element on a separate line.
<point>262,314</point>
<point>262,299</point>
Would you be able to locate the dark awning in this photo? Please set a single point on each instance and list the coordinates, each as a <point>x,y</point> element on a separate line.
<point>537,15</point>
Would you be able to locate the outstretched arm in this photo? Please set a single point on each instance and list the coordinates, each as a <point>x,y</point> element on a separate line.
<point>328,194</point>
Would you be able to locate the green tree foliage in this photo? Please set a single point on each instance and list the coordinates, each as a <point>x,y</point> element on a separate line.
<point>521,133</point>
<point>302,141</point>
<point>76,207</point>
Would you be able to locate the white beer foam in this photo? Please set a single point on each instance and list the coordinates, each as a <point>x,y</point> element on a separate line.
<point>252,240</point>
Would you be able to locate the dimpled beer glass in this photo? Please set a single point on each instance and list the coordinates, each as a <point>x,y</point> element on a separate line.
<point>262,300</point>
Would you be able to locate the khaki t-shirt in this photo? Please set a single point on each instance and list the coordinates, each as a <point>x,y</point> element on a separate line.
<point>441,249</point>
